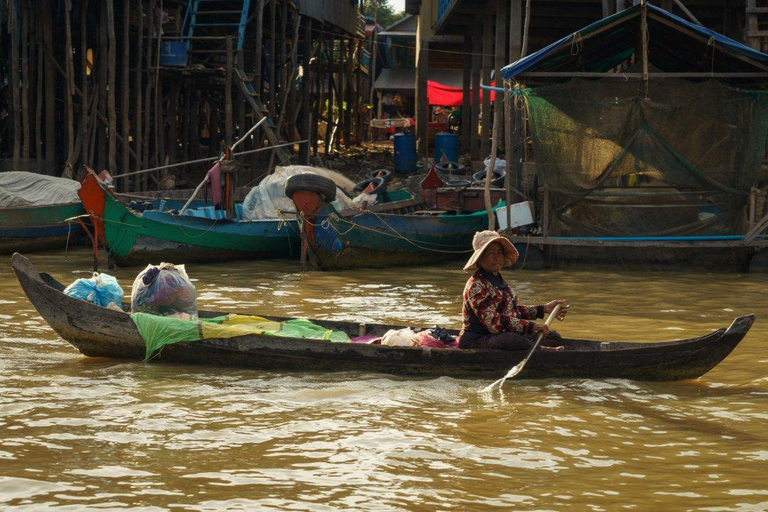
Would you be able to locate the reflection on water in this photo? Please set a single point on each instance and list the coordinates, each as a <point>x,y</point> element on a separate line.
<point>81,433</point>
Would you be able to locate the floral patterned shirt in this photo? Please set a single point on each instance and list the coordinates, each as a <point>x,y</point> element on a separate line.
<point>490,307</point>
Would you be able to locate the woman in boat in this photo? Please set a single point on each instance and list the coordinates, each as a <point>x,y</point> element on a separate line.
<point>492,317</point>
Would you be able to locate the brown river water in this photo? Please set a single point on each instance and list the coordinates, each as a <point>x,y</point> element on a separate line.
<point>96,434</point>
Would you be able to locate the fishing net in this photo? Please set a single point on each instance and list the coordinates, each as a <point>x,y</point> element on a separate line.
<point>670,157</point>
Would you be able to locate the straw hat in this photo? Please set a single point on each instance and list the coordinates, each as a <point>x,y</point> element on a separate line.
<point>482,240</point>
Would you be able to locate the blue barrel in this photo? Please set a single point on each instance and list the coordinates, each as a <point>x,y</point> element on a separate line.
<point>405,152</point>
<point>446,144</point>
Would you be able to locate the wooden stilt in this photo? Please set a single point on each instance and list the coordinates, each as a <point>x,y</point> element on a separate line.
<point>111,84</point>
<point>422,105</point>
<point>475,121</point>
<point>84,100</point>
<point>39,86</point>
<point>466,86</point>
<point>50,91</point>
<point>139,181</point>
<point>259,42</point>
<point>485,126</point>
<point>13,17</point>
<point>125,89</point>
<point>25,154</point>
<point>229,125</point>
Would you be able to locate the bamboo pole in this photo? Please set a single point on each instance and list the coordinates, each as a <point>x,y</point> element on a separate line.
<point>126,98</point>
<point>111,82</point>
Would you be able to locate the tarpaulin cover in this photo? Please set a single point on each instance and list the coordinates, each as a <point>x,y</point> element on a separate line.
<point>159,331</point>
<point>602,45</point>
<point>18,188</point>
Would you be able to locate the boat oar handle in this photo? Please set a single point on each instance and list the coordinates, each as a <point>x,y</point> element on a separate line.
<point>519,366</point>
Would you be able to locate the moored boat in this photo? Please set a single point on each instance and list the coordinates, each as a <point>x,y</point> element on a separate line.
<point>134,238</point>
<point>34,210</point>
<point>398,233</point>
<point>102,332</point>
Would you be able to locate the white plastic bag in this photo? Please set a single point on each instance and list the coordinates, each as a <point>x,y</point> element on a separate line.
<point>400,338</point>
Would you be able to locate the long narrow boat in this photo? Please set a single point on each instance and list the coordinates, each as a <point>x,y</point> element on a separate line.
<point>38,219</point>
<point>134,238</point>
<point>101,332</point>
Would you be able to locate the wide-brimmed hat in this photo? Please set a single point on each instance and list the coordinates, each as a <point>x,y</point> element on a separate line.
<point>480,243</point>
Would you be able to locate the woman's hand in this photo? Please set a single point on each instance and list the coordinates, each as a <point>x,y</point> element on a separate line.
<point>541,328</point>
<point>550,306</point>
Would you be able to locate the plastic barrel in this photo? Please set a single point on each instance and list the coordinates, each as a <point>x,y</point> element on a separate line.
<point>405,152</point>
<point>446,144</point>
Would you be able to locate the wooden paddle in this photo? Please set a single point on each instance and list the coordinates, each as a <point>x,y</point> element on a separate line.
<point>519,366</point>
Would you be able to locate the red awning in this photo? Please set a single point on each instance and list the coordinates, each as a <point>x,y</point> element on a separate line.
<point>447,96</point>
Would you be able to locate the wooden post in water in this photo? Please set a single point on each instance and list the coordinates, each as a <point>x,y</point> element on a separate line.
<point>465,100</point>
<point>485,126</point>
<point>111,83</point>
<point>259,41</point>
<point>422,105</point>
<point>475,121</point>
<point>229,126</point>
<point>50,90</point>
<point>306,85</point>
<point>138,107</point>
<point>125,89</point>
<point>39,83</point>
<point>25,81</point>
<point>85,99</point>
<point>13,89</point>
<point>70,87</point>
<point>272,57</point>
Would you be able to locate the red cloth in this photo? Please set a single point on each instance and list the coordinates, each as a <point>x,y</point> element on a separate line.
<point>446,96</point>
<point>214,180</point>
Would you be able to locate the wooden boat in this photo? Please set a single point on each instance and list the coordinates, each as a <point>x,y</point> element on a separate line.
<point>134,238</point>
<point>34,212</point>
<point>398,233</point>
<point>34,228</point>
<point>101,332</point>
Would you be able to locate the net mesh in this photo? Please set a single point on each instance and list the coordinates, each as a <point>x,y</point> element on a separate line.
<point>670,157</point>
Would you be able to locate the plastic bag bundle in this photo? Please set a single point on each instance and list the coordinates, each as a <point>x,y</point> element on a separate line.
<point>101,289</point>
<point>164,290</point>
<point>399,338</point>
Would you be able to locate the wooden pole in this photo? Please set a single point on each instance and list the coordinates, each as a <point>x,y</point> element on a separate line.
<point>103,69</point>
<point>126,101</point>
<point>319,92</point>
<point>84,100</point>
<point>466,86</point>
<point>229,125</point>
<point>159,124</point>
<point>25,79</point>
<point>258,63</point>
<point>111,83</point>
<point>474,141</point>
<point>422,104</point>
<point>139,108</point>
<point>281,56</point>
<point>70,78</point>
<point>526,25</point>
<point>644,38</point>
<point>13,17</point>
<point>328,104</point>
<point>272,57</point>
<point>40,80</point>
<point>485,126</point>
<point>374,47</point>
<point>50,91</point>
<point>498,115</point>
<point>306,85</point>
<point>148,90</point>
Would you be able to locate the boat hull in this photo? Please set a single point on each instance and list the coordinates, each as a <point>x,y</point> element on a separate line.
<point>100,332</point>
<point>34,228</point>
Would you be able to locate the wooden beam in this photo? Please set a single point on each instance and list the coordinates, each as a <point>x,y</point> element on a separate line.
<point>422,106</point>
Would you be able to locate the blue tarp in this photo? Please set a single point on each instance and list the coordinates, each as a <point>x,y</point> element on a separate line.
<point>631,15</point>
